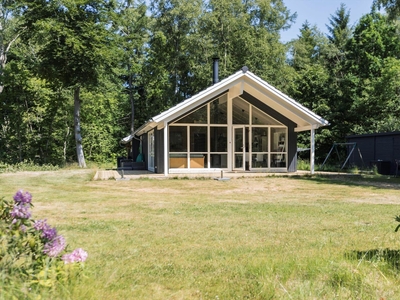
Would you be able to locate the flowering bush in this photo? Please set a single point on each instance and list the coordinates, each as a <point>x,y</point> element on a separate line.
<point>32,252</point>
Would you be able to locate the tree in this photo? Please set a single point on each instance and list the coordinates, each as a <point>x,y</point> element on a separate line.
<point>374,41</point>
<point>310,86</point>
<point>307,48</point>
<point>186,35</point>
<point>340,33</point>
<point>131,25</point>
<point>75,46</point>
<point>174,47</point>
<point>9,32</point>
<point>247,33</point>
<point>339,29</point>
<point>391,6</point>
<point>386,91</point>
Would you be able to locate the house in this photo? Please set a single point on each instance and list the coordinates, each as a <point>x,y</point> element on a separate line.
<point>239,123</point>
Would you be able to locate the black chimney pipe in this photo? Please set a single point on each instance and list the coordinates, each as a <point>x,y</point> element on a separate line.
<point>215,70</point>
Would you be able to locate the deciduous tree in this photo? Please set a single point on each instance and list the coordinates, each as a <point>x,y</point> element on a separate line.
<point>75,46</point>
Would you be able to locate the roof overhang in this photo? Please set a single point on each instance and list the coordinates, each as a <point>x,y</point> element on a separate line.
<point>126,139</point>
<point>235,85</point>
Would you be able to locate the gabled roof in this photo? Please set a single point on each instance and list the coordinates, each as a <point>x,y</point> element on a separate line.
<point>236,84</point>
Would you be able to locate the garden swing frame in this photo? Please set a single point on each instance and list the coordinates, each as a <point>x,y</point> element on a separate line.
<point>334,146</point>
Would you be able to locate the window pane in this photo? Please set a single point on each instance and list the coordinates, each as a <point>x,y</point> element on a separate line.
<point>278,161</point>
<point>259,161</point>
<point>219,161</point>
<point>177,138</point>
<point>238,161</point>
<point>259,139</point>
<point>198,160</point>
<point>260,118</point>
<point>178,160</point>
<point>240,111</point>
<point>219,110</point>
<point>198,116</point>
<point>278,139</point>
<point>218,139</point>
<point>198,139</point>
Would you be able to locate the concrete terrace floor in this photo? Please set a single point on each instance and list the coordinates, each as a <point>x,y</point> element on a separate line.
<point>139,174</point>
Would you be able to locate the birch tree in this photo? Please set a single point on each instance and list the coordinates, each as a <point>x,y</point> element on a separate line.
<point>9,32</point>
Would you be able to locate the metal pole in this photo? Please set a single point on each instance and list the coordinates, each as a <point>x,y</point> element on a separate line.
<point>312,154</point>
<point>166,150</point>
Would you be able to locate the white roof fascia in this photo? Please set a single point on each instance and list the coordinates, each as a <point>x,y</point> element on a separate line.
<point>304,128</point>
<point>126,139</point>
<point>150,124</point>
<point>161,125</point>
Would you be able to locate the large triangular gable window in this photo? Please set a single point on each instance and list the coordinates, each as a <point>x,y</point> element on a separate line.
<point>200,138</point>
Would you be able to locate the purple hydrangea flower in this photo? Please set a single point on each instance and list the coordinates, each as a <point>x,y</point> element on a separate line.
<point>78,255</point>
<point>23,197</point>
<point>48,232</point>
<point>40,224</point>
<point>55,246</point>
<point>23,228</point>
<point>21,211</point>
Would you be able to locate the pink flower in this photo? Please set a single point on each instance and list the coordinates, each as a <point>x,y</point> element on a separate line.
<point>78,255</point>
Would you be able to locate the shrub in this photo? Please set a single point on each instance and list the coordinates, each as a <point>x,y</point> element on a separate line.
<point>26,165</point>
<point>32,253</point>
<point>303,165</point>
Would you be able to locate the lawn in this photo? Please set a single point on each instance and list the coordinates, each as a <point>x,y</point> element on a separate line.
<point>246,238</point>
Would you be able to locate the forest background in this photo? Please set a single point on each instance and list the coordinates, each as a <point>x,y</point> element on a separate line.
<point>76,76</point>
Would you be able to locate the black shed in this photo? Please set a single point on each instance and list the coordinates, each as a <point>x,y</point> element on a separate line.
<point>380,149</point>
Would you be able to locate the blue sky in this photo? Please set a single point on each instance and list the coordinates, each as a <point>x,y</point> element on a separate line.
<point>318,12</point>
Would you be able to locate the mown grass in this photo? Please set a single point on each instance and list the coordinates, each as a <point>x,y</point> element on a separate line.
<point>247,238</point>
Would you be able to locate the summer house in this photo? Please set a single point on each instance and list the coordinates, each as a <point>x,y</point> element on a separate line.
<point>240,123</point>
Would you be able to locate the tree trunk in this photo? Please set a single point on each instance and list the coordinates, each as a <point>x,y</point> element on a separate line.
<point>77,124</point>
<point>4,49</point>
<point>131,100</point>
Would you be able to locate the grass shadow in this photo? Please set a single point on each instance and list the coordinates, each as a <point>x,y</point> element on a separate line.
<point>389,256</point>
<point>377,181</point>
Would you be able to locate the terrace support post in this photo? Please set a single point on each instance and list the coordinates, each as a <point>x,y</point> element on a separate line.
<point>312,152</point>
<point>166,150</point>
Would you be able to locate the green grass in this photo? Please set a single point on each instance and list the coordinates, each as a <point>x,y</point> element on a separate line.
<point>247,238</point>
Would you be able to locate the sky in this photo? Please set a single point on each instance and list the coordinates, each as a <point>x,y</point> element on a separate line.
<point>318,12</point>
